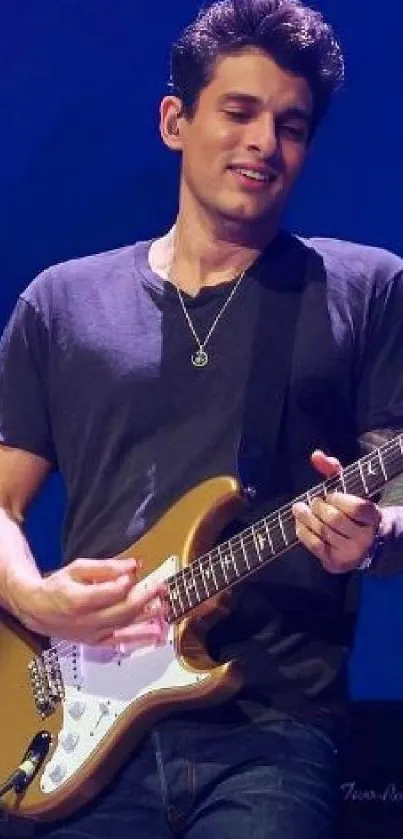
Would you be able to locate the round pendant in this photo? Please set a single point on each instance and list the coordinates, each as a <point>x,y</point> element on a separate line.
<point>200,358</point>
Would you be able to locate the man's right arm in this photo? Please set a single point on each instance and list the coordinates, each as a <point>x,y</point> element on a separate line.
<point>21,476</point>
<point>92,601</point>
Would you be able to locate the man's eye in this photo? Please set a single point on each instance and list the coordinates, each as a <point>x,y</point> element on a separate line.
<point>297,132</point>
<point>238,116</point>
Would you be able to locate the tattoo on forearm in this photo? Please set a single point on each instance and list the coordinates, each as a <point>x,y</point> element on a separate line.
<point>392,495</point>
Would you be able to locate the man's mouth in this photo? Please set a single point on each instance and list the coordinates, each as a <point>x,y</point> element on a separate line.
<point>255,174</point>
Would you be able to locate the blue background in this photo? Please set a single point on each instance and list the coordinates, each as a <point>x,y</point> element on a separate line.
<point>82,169</point>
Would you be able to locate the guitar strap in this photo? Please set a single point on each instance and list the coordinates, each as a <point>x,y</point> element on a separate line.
<point>283,282</point>
<point>283,276</point>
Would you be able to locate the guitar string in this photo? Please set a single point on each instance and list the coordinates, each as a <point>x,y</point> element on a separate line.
<point>212,561</point>
<point>206,561</point>
<point>240,540</point>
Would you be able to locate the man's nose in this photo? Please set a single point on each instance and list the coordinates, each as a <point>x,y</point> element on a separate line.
<point>262,136</point>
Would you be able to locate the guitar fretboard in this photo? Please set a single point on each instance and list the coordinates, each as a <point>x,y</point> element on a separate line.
<point>273,535</point>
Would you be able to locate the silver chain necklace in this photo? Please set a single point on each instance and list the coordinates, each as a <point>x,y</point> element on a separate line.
<point>200,358</point>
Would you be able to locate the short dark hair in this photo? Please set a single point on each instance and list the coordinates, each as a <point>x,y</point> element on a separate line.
<point>295,36</point>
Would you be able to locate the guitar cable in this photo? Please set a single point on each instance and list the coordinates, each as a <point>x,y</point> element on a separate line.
<point>22,776</point>
<point>13,782</point>
<point>35,755</point>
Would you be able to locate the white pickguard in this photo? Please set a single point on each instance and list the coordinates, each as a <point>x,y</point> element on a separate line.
<point>100,684</point>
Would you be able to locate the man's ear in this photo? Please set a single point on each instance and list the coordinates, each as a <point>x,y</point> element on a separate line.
<point>171,120</point>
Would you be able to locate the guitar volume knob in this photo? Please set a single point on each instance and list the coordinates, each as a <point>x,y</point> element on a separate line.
<point>57,773</point>
<point>69,741</point>
<point>76,709</point>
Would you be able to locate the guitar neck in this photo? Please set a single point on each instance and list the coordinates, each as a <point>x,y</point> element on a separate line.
<point>273,535</point>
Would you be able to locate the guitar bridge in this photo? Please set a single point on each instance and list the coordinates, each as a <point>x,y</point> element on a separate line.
<point>46,682</point>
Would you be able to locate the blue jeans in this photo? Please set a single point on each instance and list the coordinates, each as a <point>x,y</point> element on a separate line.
<point>209,781</point>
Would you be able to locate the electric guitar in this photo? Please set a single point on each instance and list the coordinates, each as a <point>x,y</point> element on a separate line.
<point>72,713</point>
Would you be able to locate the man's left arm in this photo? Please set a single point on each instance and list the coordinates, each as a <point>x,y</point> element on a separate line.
<point>343,531</point>
<point>388,555</point>
<point>347,533</point>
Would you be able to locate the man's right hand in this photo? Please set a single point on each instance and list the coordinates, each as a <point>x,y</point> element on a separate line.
<point>94,602</point>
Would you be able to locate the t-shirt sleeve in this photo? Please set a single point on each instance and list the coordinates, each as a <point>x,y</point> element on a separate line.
<point>380,377</point>
<point>24,376</point>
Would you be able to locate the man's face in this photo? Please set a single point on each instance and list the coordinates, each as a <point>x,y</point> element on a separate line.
<point>246,143</point>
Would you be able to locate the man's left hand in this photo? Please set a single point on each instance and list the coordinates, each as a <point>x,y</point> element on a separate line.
<point>341,529</point>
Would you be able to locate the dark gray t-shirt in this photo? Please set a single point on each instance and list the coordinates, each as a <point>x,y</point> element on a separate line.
<point>96,377</point>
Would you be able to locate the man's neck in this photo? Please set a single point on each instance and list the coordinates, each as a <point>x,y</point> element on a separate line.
<point>193,256</point>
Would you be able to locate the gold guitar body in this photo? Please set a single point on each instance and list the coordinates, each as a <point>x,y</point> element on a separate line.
<point>188,530</point>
